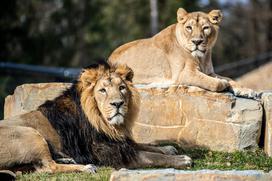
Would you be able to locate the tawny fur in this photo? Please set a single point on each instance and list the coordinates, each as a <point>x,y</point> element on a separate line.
<point>171,56</point>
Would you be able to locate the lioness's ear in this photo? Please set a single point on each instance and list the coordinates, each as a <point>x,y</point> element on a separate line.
<point>181,13</point>
<point>215,16</point>
<point>125,72</point>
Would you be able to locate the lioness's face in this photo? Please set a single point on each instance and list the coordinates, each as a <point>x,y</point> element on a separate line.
<point>111,94</point>
<point>197,31</point>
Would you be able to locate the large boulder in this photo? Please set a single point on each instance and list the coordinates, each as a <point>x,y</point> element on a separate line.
<point>189,115</point>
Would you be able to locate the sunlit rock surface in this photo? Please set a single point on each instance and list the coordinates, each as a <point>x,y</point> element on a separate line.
<point>180,175</point>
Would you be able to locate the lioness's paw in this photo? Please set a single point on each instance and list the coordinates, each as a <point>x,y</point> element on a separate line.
<point>222,85</point>
<point>183,161</point>
<point>89,168</point>
<point>169,150</point>
<point>246,93</point>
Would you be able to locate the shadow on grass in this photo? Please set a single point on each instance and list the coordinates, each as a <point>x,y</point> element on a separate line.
<point>203,158</point>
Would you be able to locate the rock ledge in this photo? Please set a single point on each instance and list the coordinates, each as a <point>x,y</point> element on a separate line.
<point>180,175</point>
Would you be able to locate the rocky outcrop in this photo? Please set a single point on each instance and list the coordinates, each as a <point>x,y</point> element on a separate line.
<point>180,175</point>
<point>189,115</point>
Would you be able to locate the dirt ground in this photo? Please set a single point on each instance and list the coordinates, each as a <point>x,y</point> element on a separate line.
<point>258,79</point>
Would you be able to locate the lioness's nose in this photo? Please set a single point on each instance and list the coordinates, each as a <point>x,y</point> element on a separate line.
<point>117,104</point>
<point>197,41</point>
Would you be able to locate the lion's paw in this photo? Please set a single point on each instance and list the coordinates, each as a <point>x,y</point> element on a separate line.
<point>183,161</point>
<point>90,168</point>
<point>246,93</point>
<point>169,150</point>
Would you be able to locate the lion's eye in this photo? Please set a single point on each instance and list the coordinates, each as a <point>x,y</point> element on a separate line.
<point>122,87</point>
<point>189,28</point>
<point>102,90</point>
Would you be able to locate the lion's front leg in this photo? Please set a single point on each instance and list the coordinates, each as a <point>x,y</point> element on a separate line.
<point>150,159</point>
<point>168,150</point>
<point>66,161</point>
<point>53,167</point>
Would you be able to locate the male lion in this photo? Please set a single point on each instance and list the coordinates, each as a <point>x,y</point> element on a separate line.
<point>179,54</point>
<point>89,123</point>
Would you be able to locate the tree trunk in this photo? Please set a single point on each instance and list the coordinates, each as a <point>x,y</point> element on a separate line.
<point>269,27</point>
<point>154,16</point>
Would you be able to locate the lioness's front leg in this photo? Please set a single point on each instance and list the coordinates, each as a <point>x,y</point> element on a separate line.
<point>150,159</point>
<point>237,89</point>
<point>197,78</point>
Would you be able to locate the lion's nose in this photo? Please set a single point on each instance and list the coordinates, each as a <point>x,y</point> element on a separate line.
<point>197,41</point>
<point>117,104</point>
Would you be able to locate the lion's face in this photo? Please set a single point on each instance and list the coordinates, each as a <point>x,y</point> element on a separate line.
<point>109,99</point>
<point>111,94</point>
<point>197,32</point>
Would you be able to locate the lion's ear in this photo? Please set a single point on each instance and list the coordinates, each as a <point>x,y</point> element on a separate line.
<point>125,72</point>
<point>215,16</point>
<point>181,13</point>
<point>88,77</point>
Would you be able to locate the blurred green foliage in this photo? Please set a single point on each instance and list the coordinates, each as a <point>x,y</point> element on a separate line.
<point>73,32</point>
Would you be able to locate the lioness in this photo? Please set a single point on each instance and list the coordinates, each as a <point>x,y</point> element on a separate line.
<point>179,54</point>
<point>89,123</point>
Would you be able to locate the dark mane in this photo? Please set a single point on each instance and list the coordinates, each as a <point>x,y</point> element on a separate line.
<point>79,139</point>
<point>99,63</point>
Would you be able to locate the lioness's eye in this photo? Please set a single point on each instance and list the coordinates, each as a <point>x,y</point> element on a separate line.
<point>122,87</point>
<point>188,28</point>
<point>102,90</point>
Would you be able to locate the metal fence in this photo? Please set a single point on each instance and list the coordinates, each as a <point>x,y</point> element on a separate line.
<point>56,72</point>
<point>233,70</point>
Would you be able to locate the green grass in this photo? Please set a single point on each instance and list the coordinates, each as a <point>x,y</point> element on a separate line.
<point>203,159</point>
<point>247,160</point>
<point>103,174</point>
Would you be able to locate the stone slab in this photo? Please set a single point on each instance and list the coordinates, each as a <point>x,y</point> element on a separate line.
<point>180,175</point>
<point>188,115</point>
<point>28,97</point>
<point>267,104</point>
<point>196,117</point>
